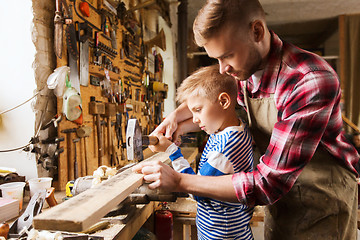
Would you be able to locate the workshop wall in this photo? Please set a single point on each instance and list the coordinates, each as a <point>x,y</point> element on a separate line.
<point>130,80</point>
<point>45,152</point>
<point>17,86</point>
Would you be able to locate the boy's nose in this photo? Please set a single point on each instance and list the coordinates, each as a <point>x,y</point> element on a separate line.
<point>195,119</point>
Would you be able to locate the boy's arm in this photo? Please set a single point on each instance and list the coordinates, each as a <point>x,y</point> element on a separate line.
<point>164,177</point>
<point>179,163</point>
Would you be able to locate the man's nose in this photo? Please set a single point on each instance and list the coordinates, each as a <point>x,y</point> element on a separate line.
<point>195,119</point>
<point>223,67</point>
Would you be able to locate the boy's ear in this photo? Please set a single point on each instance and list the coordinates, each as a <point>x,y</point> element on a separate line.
<point>224,100</point>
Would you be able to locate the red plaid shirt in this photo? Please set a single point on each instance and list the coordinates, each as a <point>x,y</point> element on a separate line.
<point>307,97</point>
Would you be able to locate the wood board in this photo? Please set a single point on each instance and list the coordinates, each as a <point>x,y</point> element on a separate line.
<point>85,209</point>
<point>128,231</point>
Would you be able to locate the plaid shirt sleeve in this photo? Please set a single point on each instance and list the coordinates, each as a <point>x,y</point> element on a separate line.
<point>304,115</point>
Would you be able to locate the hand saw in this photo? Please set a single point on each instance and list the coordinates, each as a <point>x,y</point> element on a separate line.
<point>70,33</point>
<point>84,33</point>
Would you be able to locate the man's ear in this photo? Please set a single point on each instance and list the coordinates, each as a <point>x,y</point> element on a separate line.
<point>224,100</point>
<point>258,30</point>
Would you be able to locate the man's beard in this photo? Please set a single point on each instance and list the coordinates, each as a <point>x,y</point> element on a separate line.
<point>253,66</point>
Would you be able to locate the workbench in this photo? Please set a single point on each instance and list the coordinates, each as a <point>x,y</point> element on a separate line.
<point>81,213</point>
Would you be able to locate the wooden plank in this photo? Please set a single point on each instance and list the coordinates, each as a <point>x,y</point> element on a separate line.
<point>258,215</point>
<point>350,123</point>
<point>85,209</point>
<point>342,53</point>
<point>128,231</point>
<point>190,153</point>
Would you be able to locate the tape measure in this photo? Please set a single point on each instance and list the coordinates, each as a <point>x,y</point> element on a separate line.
<point>69,187</point>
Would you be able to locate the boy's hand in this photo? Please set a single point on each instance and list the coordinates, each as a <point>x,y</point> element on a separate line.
<point>162,145</point>
<point>161,175</point>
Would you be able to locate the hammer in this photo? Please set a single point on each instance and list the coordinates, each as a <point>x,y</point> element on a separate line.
<point>97,109</point>
<point>135,141</point>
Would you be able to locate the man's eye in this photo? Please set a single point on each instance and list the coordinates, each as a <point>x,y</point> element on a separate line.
<point>198,110</point>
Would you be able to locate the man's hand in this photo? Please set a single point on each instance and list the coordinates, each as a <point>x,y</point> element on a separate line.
<point>169,126</point>
<point>161,175</point>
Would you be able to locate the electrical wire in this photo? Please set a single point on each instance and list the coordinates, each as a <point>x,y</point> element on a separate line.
<point>15,149</point>
<point>37,131</point>
<point>3,112</point>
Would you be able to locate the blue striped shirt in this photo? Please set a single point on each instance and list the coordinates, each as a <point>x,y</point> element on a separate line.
<point>226,152</point>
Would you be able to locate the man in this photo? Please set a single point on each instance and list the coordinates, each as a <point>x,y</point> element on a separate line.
<point>306,174</point>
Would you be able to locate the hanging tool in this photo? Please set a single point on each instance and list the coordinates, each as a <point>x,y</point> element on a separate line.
<point>110,110</point>
<point>84,33</point>
<point>102,48</point>
<point>52,140</point>
<point>92,25</point>
<point>118,129</point>
<point>113,24</point>
<point>58,29</point>
<point>76,166</point>
<point>79,15</point>
<point>98,108</point>
<point>119,137</point>
<point>71,100</point>
<point>135,141</point>
<point>70,33</point>
<point>54,121</point>
<point>96,51</point>
<point>68,148</point>
<point>73,52</point>
<point>84,9</point>
<point>84,132</point>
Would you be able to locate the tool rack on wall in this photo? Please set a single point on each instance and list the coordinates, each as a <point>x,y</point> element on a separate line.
<point>110,60</point>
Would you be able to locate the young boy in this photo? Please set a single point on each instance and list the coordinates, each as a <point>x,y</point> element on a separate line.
<point>211,97</point>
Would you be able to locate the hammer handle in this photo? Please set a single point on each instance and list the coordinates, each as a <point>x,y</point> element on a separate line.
<point>149,140</point>
<point>100,141</point>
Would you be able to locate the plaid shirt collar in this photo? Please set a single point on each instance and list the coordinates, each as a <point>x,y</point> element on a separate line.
<point>272,69</point>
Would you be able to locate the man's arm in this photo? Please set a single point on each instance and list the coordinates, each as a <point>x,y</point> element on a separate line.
<point>164,177</point>
<point>309,109</point>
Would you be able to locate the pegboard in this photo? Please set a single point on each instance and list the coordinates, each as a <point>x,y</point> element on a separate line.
<point>133,73</point>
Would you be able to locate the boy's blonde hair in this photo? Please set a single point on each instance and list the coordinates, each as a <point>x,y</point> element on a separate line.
<point>207,82</point>
<point>216,14</point>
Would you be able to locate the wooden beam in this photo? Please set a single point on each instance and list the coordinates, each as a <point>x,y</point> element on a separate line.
<point>82,211</point>
<point>350,123</point>
<point>342,50</point>
<point>128,230</point>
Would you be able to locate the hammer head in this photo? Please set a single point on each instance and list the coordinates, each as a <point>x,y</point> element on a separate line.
<point>134,141</point>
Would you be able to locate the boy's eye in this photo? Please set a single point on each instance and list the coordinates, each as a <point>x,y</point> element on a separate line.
<point>227,56</point>
<point>197,109</point>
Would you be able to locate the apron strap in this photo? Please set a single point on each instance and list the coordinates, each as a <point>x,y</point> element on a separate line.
<point>247,103</point>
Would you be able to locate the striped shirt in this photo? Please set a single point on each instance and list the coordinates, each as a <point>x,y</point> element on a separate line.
<point>307,97</point>
<point>226,152</point>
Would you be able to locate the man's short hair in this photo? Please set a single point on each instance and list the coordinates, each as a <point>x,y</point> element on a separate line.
<point>207,82</point>
<point>216,14</point>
